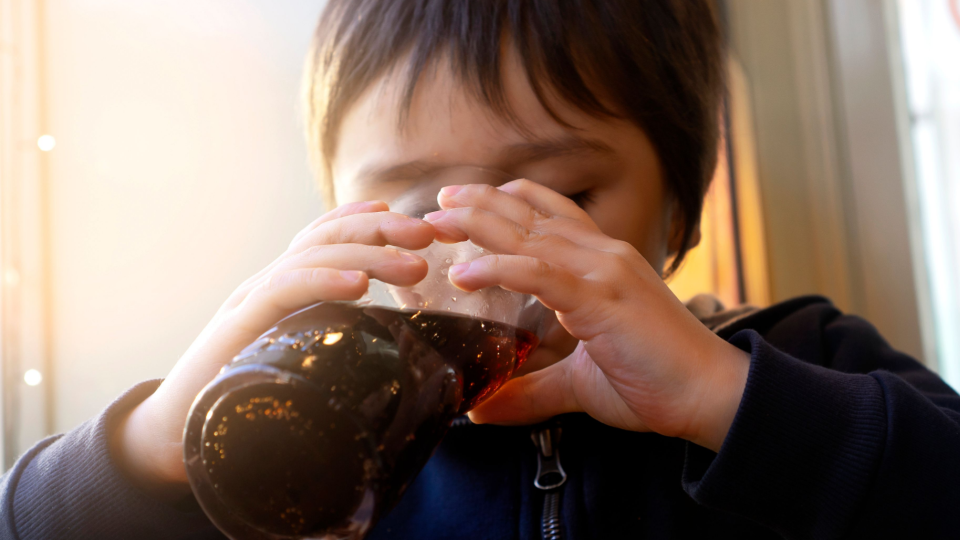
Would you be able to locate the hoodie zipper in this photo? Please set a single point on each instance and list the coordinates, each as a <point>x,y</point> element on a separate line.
<point>550,474</point>
<point>550,478</point>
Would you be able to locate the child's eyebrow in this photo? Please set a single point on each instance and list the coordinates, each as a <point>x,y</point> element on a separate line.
<point>533,151</point>
<point>376,174</point>
<point>511,157</point>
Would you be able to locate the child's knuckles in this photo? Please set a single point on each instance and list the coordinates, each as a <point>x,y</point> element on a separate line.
<point>395,259</point>
<point>554,245</point>
<point>312,253</point>
<point>278,282</point>
<point>365,228</point>
<point>281,281</point>
<point>537,219</point>
<point>475,192</point>
<point>526,237</point>
<point>622,249</point>
<point>330,232</point>
<point>249,283</point>
<point>450,234</point>
<point>329,284</point>
<point>613,267</point>
<point>542,270</point>
<point>589,318</point>
<point>564,226</point>
<point>459,221</point>
<point>237,296</point>
<point>466,217</point>
<point>607,282</point>
<point>394,228</point>
<point>338,212</point>
<point>615,291</point>
<point>394,255</point>
<point>490,268</point>
<point>520,187</point>
<point>324,278</point>
<point>533,271</point>
<point>365,207</point>
<point>292,246</point>
<point>271,283</point>
<point>358,207</point>
<point>402,276</point>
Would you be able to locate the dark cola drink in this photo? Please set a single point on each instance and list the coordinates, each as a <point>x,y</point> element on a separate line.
<point>315,430</point>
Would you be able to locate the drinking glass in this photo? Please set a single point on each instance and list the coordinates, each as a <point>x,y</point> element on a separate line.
<point>316,429</point>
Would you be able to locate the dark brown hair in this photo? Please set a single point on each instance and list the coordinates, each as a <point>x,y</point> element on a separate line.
<point>657,63</point>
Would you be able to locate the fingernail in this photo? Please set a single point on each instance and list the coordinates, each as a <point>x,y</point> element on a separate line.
<point>450,191</point>
<point>409,257</point>
<point>458,269</point>
<point>434,216</point>
<point>351,275</point>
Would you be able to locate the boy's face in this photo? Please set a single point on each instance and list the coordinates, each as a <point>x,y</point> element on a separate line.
<point>611,161</point>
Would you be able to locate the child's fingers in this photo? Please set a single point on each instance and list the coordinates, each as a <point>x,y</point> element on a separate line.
<point>384,263</point>
<point>359,227</point>
<point>575,226</point>
<point>529,399</point>
<point>547,200</point>
<point>516,208</point>
<point>377,209</point>
<point>375,229</point>
<point>499,234</point>
<point>494,200</point>
<point>555,286</point>
<point>283,293</point>
<point>341,211</point>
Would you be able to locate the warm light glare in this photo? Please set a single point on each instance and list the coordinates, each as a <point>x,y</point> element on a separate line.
<point>46,143</point>
<point>11,277</point>
<point>332,338</point>
<point>32,377</point>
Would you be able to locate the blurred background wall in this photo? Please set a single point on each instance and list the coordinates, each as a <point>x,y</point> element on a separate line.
<point>179,170</point>
<point>151,159</point>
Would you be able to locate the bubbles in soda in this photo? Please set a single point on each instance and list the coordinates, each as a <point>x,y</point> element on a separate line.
<point>377,389</point>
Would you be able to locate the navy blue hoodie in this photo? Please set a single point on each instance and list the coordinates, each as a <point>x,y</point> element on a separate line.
<point>837,435</point>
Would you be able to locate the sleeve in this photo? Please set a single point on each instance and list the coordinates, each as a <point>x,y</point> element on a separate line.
<point>864,445</point>
<point>68,487</point>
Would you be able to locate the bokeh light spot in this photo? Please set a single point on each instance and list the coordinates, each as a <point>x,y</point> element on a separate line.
<point>32,377</point>
<point>46,143</point>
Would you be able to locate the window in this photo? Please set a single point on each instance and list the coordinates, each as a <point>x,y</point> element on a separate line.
<point>930,41</point>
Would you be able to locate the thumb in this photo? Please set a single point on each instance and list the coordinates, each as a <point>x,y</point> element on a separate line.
<point>529,399</point>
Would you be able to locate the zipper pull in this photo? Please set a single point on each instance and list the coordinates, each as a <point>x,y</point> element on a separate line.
<point>550,473</point>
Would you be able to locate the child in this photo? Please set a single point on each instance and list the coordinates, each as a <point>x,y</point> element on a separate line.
<point>792,421</point>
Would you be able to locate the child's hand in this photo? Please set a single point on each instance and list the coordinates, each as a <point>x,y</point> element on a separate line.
<point>644,362</point>
<point>331,259</point>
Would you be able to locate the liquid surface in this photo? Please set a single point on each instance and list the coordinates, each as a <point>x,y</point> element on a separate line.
<point>375,390</point>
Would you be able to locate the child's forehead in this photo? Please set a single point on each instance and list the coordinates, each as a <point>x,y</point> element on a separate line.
<point>446,122</point>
